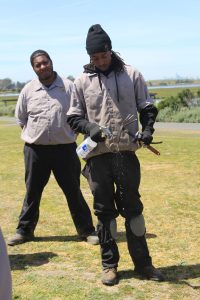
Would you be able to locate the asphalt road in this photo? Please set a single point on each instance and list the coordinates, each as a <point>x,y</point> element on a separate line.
<point>158,125</point>
<point>177,126</point>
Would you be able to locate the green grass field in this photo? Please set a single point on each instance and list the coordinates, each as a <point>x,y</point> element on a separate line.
<point>57,266</point>
<point>167,92</point>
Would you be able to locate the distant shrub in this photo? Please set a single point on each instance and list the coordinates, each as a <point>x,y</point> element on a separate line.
<point>8,110</point>
<point>185,107</point>
<point>165,115</point>
<point>184,115</point>
<point>171,102</point>
<point>188,115</point>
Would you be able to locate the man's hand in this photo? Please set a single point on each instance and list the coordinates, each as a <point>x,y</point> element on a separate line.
<point>96,133</point>
<point>146,137</point>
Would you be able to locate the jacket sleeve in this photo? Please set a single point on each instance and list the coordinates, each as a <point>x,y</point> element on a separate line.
<point>146,109</point>
<point>77,113</point>
<point>78,124</point>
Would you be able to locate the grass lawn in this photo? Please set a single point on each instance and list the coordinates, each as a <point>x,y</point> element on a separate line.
<point>58,266</point>
<point>167,92</point>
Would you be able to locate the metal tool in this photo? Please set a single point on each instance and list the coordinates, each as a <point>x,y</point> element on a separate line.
<point>138,139</point>
<point>106,132</point>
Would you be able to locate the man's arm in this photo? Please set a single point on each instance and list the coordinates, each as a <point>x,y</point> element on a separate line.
<point>147,111</point>
<point>81,125</point>
<point>21,110</point>
<point>76,116</point>
<point>147,120</point>
<point>78,124</point>
<point>148,117</point>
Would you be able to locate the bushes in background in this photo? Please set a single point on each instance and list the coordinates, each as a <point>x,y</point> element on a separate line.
<point>183,108</point>
<point>7,110</point>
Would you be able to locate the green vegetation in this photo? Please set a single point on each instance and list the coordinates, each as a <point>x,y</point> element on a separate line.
<point>7,105</point>
<point>57,266</point>
<point>167,82</point>
<point>174,104</point>
<point>9,98</point>
<point>185,107</point>
<point>163,93</point>
<point>7,110</point>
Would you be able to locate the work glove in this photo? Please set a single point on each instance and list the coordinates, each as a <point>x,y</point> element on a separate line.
<point>146,137</point>
<point>96,133</point>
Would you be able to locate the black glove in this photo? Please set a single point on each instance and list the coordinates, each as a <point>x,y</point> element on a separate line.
<point>146,137</point>
<point>96,133</point>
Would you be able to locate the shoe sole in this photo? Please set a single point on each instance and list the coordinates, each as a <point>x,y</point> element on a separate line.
<point>19,242</point>
<point>142,276</point>
<point>109,283</point>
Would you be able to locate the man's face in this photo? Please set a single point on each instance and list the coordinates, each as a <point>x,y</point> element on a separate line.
<point>101,60</point>
<point>43,67</point>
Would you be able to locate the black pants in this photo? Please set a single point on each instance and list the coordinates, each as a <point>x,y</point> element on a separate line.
<point>63,162</point>
<point>114,180</point>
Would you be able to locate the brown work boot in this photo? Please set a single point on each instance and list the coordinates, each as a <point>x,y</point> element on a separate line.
<point>150,273</point>
<point>109,276</point>
<point>19,238</point>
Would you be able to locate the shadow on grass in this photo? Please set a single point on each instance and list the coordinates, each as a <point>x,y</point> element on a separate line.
<point>174,274</point>
<point>121,237</point>
<point>58,238</point>
<point>21,261</point>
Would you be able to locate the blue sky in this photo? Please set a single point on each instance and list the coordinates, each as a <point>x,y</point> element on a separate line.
<point>160,38</point>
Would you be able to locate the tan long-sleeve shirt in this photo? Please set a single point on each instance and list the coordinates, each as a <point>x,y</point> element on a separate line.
<point>41,112</point>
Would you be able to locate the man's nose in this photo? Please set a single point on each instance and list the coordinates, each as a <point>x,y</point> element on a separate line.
<point>43,66</point>
<point>101,62</point>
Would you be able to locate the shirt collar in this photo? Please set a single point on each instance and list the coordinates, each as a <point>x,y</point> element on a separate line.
<point>39,86</point>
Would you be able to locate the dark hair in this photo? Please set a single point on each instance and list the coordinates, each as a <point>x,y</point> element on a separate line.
<point>117,61</point>
<point>39,53</point>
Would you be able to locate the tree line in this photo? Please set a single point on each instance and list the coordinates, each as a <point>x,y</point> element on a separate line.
<point>7,84</point>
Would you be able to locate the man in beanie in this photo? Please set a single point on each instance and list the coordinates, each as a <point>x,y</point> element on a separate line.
<point>49,146</point>
<point>106,95</point>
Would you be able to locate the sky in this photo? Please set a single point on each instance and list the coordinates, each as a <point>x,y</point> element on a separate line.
<point>159,38</point>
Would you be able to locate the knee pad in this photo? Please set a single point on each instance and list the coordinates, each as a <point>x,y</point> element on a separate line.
<point>107,230</point>
<point>113,228</point>
<point>137,225</point>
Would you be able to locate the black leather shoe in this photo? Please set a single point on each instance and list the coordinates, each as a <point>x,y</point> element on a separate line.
<point>150,273</point>
<point>19,238</point>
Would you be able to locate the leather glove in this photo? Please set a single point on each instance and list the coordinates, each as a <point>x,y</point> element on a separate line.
<point>96,133</point>
<point>146,137</point>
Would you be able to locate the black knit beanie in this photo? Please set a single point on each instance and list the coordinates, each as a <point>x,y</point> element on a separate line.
<point>39,53</point>
<point>97,40</point>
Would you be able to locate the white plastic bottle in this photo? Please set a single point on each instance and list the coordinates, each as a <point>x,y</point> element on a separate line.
<point>85,147</point>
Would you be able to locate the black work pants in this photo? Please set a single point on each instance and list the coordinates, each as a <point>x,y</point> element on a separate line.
<point>114,180</point>
<point>62,160</point>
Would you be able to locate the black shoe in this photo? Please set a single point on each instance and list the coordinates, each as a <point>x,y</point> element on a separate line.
<point>19,238</point>
<point>150,273</point>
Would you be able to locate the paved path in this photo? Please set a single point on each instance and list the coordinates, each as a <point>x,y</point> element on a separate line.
<point>159,125</point>
<point>177,126</point>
